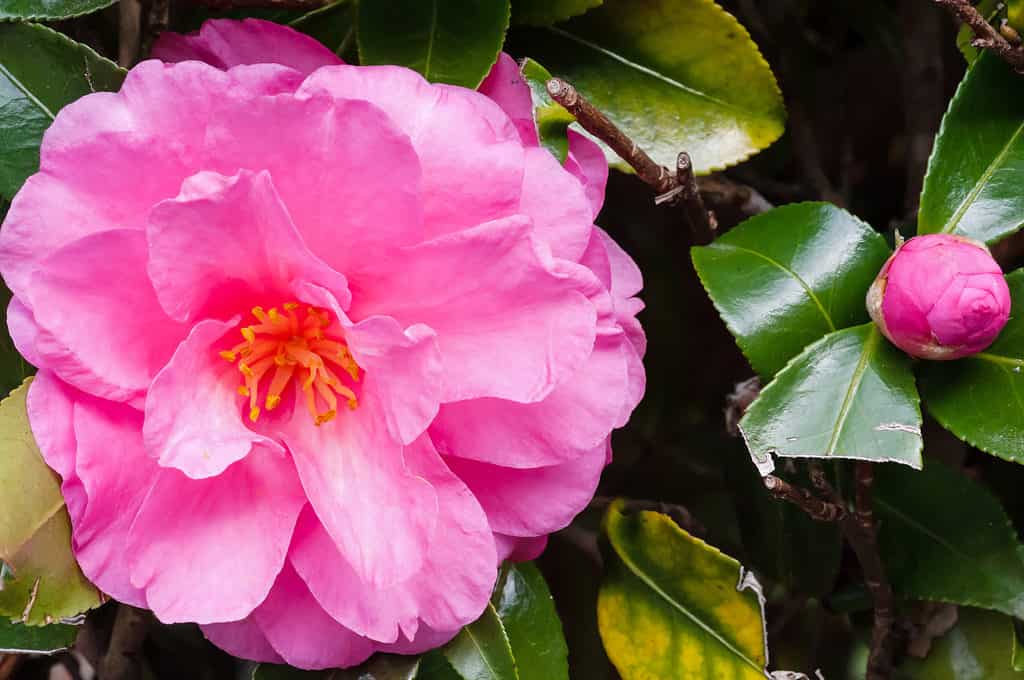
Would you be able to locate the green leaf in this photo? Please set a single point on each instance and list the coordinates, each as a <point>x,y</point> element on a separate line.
<point>21,10</point>
<point>972,187</point>
<point>482,651</point>
<point>17,638</point>
<point>990,10</point>
<point>379,667</point>
<point>675,75</point>
<point>977,648</point>
<point>547,12</point>
<point>945,537</point>
<point>524,605</point>
<point>40,71</point>
<point>785,278</point>
<point>40,582</point>
<point>334,25</point>
<point>981,398</point>
<point>674,608</point>
<point>552,120</point>
<point>448,41</point>
<point>849,395</point>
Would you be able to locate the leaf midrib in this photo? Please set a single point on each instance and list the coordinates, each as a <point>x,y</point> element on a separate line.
<point>851,391</point>
<point>26,92</point>
<point>430,40</point>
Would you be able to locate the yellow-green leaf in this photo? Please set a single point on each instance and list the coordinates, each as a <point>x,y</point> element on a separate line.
<point>41,581</point>
<point>674,74</point>
<point>675,608</point>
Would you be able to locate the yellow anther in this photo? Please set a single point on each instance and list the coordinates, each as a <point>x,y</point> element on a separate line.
<point>326,417</point>
<point>230,356</point>
<point>243,390</point>
<point>259,313</point>
<point>249,334</point>
<point>353,404</point>
<point>290,306</point>
<point>254,413</point>
<point>246,371</point>
<point>272,401</point>
<point>273,314</point>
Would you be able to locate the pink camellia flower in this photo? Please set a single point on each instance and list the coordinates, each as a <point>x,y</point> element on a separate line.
<point>940,297</point>
<point>318,345</point>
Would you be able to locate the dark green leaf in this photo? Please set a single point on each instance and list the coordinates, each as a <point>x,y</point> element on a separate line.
<point>334,25</point>
<point>547,12</point>
<point>981,398</point>
<point>379,667</point>
<point>552,120</point>
<point>977,648</point>
<point>482,651</point>
<point>18,638</point>
<point>783,279</point>
<point>674,74</point>
<point>849,395</point>
<point>448,41</point>
<point>944,537</point>
<point>972,187</point>
<point>40,71</point>
<point>524,605</point>
<point>40,582</point>
<point>49,9</point>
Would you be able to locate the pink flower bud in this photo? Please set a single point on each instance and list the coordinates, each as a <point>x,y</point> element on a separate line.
<point>940,297</point>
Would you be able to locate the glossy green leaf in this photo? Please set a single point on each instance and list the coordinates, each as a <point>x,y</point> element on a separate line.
<point>379,667</point>
<point>334,25</point>
<point>674,608</point>
<point>547,12</point>
<point>448,41</point>
<point>1017,657</point>
<point>785,278</point>
<point>981,398</point>
<point>17,638</point>
<point>674,74</point>
<point>40,71</point>
<point>527,612</point>
<point>849,395</point>
<point>41,582</point>
<point>22,10</point>
<point>944,537</point>
<point>552,120</point>
<point>977,648</point>
<point>972,187</point>
<point>482,650</point>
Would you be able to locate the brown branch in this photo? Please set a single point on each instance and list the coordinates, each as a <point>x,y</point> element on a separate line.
<point>678,187</point>
<point>123,660</point>
<point>985,35</point>
<point>816,508</point>
<point>129,32</point>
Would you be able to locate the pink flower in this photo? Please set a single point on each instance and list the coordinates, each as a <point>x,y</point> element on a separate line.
<point>318,345</point>
<point>940,297</point>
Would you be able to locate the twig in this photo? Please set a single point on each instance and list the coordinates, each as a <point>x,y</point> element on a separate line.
<point>678,513</point>
<point>8,664</point>
<point>985,35</point>
<point>678,187</point>
<point>129,36</point>
<point>823,511</point>
<point>123,660</point>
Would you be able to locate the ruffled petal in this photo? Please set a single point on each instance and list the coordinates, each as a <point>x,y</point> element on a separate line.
<point>577,416</point>
<point>555,200</point>
<point>450,590</point>
<point>518,549</point>
<point>587,163</point>
<point>505,85</point>
<point>302,632</point>
<point>494,298</point>
<point>226,243</point>
<point>228,536</point>
<point>469,150</point>
<point>224,43</point>
<point>193,418</point>
<point>105,331</point>
<point>24,331</point>
<point>243,639</point>
<point>534,501</point>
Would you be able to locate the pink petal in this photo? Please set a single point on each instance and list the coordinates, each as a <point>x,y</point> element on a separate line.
<point>469,150</point>
<point>577,416</point>
<point>587,163</point>
<point>450,590</point>
<point>555,200</point>
<point>193,418</point>
<point>493,297</point>
<point>505,85</point>
<point>627,280</point>
<point>243,639</point>
<point>24,331</point>
<point>424,640</point>
<point>105,331</point>
<point>302,632</point>
<point>224,43</point>
<point>228,536</point>
<point>520,549</point>
<point>228,243</point>
<point>535,501</point>
<point>357,482</point>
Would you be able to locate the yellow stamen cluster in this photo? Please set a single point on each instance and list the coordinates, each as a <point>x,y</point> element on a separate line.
<point>294,344</point>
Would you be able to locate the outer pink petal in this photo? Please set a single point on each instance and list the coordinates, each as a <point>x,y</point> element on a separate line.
<point>243,639</point>
<point>381,514</point>
<point>302,632</point>
<point>96,447</point>
<point>193,418</point>
<point>209,550</point>
<point>494,298</point>
<point>424,640</point>
<point>225,43</point>
<point>105,331</point>
<point>505,85</point>
<point>469,150</point>
<point>577,416</point>
<point>536,501</point>
<point>627,280</point>
<point>519,549</point>
<point>555,200</point>
<point>450,590</point>
<point>24,331</point>
<point>226,243</point>
<point>587,163</point>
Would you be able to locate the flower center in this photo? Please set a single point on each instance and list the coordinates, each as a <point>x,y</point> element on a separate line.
<point>295,345</point>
